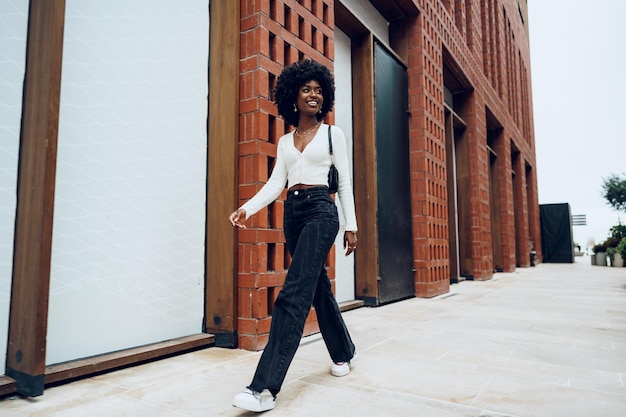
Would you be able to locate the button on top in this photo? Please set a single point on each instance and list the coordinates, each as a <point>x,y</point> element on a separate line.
<point>296,192</point>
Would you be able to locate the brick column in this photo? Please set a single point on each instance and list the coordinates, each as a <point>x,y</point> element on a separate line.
<point>273,34</point>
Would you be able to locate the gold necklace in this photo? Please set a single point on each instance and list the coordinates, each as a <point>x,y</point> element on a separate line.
<point>307,131</point>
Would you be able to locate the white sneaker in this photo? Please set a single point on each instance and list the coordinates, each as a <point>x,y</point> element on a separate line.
<point>255,401</point>
<point>342,368</point>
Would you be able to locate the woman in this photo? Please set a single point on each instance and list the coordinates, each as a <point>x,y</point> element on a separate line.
<point>305,93</point>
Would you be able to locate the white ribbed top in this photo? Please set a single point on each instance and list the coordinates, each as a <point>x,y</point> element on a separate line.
<point>308,167</point>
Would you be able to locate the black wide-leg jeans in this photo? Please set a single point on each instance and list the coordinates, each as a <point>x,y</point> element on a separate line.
<point>311,223</point>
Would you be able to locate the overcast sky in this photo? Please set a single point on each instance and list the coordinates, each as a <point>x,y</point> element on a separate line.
<point>578,56</point>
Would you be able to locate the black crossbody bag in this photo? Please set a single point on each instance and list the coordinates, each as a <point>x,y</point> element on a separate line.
<point>333,174</point>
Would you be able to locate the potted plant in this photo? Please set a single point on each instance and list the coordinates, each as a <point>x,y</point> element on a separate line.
<point>599,251</point>
<point>620,251</point>
<point>611,250</point>
<point>610,255</point>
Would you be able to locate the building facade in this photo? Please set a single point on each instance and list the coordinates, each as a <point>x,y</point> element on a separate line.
<point>435,97</point>
<point>135,129</point>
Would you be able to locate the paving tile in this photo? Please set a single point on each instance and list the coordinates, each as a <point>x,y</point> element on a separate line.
<point>534,399</point>
<point>547,341</point>
<point>58,399</point>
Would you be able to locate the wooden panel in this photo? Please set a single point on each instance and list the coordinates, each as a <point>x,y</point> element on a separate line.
<point>452,199</point>
<point>350,305</point>
<point>115,360</point>
<point>399,39</point>
<point>348,23</point>
<point>35,197</point>
<point>221,240</point>
<point>518,200</point>
<point>365,188</point>
<point>466,266</point>
<point>7,386</point>
<point>494,200</point>
<point>102,363</point>
<point>394,10</point>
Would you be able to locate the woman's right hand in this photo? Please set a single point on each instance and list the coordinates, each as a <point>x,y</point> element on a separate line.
<point>238,218</point>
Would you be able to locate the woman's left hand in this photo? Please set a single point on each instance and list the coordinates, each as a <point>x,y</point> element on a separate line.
<point>349,242</point>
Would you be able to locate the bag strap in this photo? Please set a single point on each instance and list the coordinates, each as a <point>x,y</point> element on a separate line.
<point>330,144</point>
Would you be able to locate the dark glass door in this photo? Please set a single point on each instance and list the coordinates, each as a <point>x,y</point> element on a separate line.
<point>395,237</point>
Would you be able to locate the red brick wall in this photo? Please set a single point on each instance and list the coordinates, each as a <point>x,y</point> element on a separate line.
<point>487,43</point>
<point>274,33</point>
<point>428,176</point>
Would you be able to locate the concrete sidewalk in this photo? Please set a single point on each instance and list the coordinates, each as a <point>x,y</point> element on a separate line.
<point>548,341</point>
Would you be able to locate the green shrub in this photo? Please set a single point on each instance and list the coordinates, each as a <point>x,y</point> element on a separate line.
<point>612,242</point>
<point>599,248</point>
<point>618,231</point>
<point>610,252</point>
<point>621,248</point>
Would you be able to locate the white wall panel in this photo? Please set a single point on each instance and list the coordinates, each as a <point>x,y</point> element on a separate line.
<point>344,265</point>
<point>13,28</point>
<point>128,239</point>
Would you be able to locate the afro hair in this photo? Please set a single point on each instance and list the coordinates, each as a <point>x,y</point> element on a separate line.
<point>295,76</point>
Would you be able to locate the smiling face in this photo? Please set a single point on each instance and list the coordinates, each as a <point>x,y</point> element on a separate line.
<point>310,98</point>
